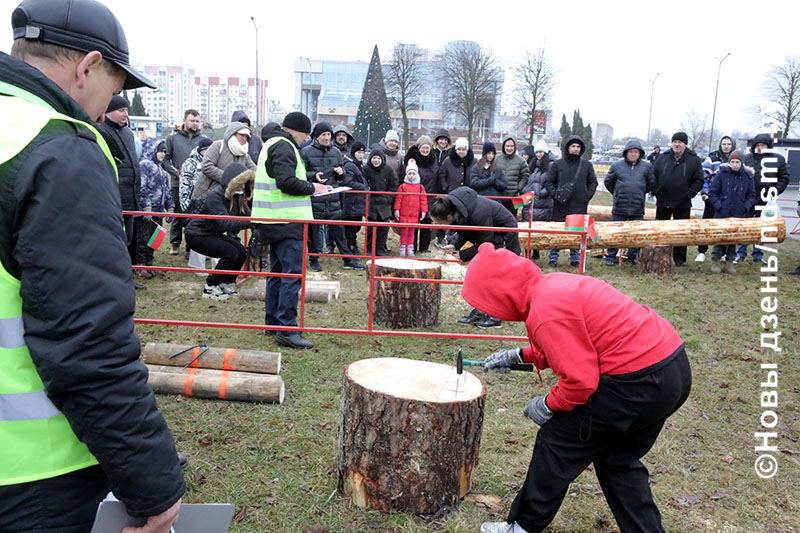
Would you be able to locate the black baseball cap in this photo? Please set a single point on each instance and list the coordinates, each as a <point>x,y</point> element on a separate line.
<point>83,25</point>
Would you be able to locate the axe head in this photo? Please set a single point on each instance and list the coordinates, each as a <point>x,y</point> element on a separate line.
<point>459,363</point>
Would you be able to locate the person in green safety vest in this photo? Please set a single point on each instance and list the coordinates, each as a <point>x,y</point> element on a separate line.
<point>283,191</point>
<point>77,418</point>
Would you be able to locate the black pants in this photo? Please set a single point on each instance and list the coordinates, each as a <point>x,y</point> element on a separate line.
<point>614,430</point>
<point>423,236</point>
<point>708,212</point>
<point>315,239</point>
<point>144,230</point>
<point>130,235</point>
<point>231,254</point>
<point>351,233</point>
<point>381,234</point>
<point>667,213</point>
<point>176,228</point>
<point>63,504</point>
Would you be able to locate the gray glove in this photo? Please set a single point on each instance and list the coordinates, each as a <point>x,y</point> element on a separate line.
<point>500,361</point>
<point>798,209</point>
<point>537,410</point>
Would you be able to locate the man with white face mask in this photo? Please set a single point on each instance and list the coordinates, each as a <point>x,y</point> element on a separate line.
<point>232,148</point>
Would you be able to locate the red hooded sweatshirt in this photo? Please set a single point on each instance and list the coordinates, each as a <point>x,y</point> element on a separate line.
<point>578,326</point>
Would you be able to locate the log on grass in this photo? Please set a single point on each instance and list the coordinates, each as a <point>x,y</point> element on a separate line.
<point>221,384</point>
<point>409,434</point>
<point>401,304</point>
<point>213,358</point>
<point>603,213</point>
<point>656,260</point>
<point>637,234</point>
<point>316,291</point>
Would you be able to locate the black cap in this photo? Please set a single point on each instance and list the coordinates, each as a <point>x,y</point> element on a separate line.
<point>83,25</point>
<point>297,121</point>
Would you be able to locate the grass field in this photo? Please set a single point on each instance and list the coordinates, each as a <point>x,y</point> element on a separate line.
<point>277,463</point>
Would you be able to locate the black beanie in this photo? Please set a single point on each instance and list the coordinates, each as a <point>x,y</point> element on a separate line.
<point>117,102</point>
<point>320,128</point>
<point>297,121</point>
<point>204,143</point>
<point>358,145</point>
<point>230,172</point>
<point>488,147</point>
<point>681,136</point>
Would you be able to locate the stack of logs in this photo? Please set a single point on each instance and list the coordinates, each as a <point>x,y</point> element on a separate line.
<point>225,374</point>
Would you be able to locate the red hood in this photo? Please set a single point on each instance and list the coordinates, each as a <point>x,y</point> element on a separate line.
<point>500,283</point>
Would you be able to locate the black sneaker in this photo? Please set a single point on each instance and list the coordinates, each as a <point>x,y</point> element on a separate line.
<point>315,266</point>
<point>682,263</point>
<point>473,317</point>
<point>553,263</point>
<point>489,322</point>
<point>183,460</point>
<point>293,341</point>
<point>575,264</point>
<point>352,264</point>
<point>611,261</point>
<point>795,272</point>
<point>139,287</point>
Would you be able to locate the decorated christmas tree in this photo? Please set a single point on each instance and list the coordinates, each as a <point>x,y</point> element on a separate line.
<point>372,119</point>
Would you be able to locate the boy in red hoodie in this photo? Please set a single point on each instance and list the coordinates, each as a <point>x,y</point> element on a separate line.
<point>622,372</point>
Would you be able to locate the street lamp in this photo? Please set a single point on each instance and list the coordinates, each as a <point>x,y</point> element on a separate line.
<point>650,116</point>
<point>714,114</point>
<point>258,101</point>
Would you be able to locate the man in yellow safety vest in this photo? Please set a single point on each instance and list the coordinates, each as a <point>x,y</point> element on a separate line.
<point>77,418</point>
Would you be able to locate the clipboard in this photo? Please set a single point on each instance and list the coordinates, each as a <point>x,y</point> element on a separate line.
<point>335,190</point>
<point>194,518</point>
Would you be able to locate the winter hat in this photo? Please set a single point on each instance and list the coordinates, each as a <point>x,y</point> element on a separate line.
<point>204,143</point>
<point>162,147</point>
<point>681,136</point>
<point>117,102</point>
<point>461,142</point>
<point>738,154</point>
<point>243,131</point>
<point>442,133</point>
<point>412,165</point>
<point>240,116</point>
<point>320,128</point>
<point>297,121</point>
<point>541,146</point>
<point>424,140</point>
<point>488,147</point>
<point>357,146</point>
<point>230,172</point>
<point>391,135</point>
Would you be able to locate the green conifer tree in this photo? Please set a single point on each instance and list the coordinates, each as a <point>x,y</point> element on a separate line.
<point>564,130</point>
<point>372,118</point>
<point>137,106</point>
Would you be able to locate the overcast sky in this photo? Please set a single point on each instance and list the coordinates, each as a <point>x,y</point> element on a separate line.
<point>606,52</point>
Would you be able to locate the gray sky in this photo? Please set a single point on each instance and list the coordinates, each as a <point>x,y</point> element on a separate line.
<point>606,52</point>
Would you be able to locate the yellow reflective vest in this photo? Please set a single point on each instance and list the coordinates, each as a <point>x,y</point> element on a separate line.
<point>268,200</point>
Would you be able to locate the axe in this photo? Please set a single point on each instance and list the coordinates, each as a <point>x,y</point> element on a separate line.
<point>461,363</point>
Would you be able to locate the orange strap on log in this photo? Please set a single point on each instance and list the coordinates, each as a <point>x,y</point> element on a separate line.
<point>223,382</point>
<point>189,381</point>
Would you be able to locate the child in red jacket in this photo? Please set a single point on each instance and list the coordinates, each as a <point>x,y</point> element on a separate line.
<point>622,372</point>
<point>410,208</point>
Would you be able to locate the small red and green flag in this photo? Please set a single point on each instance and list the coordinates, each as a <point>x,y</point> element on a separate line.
<point>522,199</point>
<point>157,237</point>
<point>581,223</point>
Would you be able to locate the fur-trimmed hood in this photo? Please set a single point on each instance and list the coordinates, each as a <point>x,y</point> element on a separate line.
<point>246,178</point>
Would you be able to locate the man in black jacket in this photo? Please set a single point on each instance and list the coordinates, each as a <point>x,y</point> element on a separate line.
<point>679,177</point>
<point>115,127</point>
<point>59,206</point>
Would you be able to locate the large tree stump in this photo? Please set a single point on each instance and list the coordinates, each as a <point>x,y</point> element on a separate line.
<point>407,440</point>
<point>213,358</point>
<point>401,304</point>
<point>224,385</point>
<point>656,260</point>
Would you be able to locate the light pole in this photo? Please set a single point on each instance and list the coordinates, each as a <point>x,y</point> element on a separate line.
<point>650,115</point>
<point>258,101</point>
<point>714,113</point>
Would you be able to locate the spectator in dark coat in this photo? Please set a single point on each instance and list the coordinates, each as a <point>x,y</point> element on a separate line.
<point>255,145</point>
<point>354,204</point>
<point>654,154</point>
<point>679,177</point>
<point>323,163</point>
<point>732,194</point>
<point>571,183</point>
<point>542,206</point>
<point>454,172</point>
<point>528,153</point>
<point>422,152</point>
<point>710,167</point>
<point>342,139</point>
<point>486,177</point>
<point>380,178</point>
<point>765,164</point>
<point>213,238</point>
<point>629,180</point>
<point>515,170</point>
<point>442,146</point>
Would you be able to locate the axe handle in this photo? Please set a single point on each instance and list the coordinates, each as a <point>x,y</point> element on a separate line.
<point>524,367</point>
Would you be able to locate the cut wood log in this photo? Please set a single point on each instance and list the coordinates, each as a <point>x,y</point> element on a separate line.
<point>637,234</point>
<point>316,291</point>
<point>407,440</point>
<point>213,358</point>
<point>221,384</point>
<point>656,260</point>
<point>603,213</point>
<point>406,304</point>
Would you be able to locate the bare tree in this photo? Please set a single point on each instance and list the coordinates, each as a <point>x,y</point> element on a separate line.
<point>694,124</point>
<point>782,88</point>
<point>404,81</point>
<point>471,80</point>
<point>534,83</point>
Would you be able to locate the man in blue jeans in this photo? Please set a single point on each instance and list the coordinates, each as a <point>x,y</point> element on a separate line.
<point>282,191</point>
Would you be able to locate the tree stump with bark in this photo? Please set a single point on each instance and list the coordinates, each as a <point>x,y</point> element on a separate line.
<point>656,260</point>
<point>409,434</point>
<point>400,304</point>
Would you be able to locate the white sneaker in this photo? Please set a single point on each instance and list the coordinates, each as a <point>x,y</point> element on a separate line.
<point>402,251</point>
<point>700,257</point>
<point>497,527</point>
<point>214,292</point>
<point>410,250</point>
<point>229,289</point>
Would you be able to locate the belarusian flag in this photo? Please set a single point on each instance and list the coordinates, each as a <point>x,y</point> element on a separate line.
<point>157,237</point>
<point>523,199</point>
<point>581,223</point>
